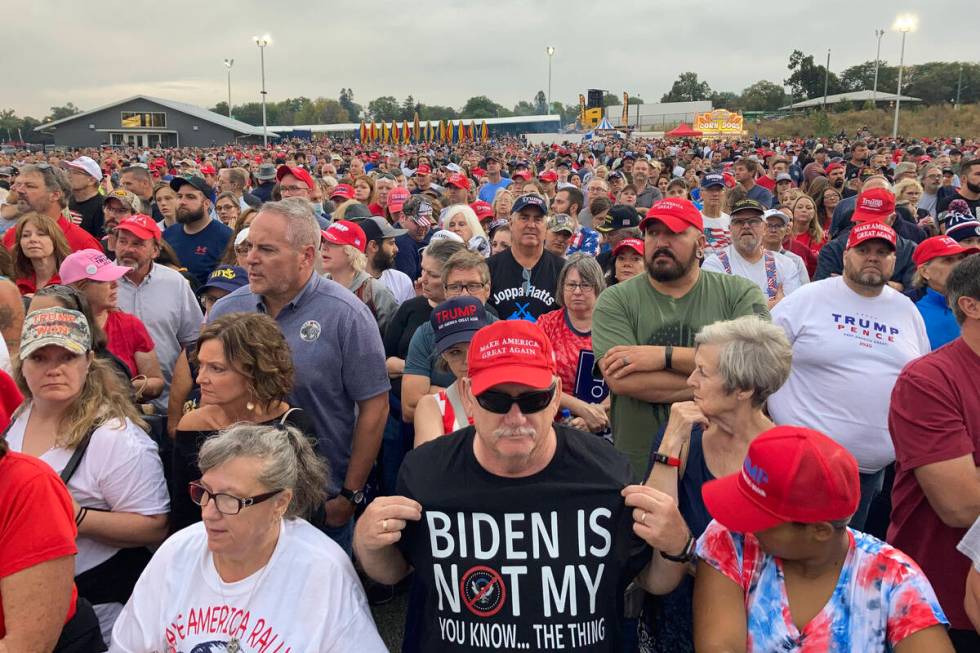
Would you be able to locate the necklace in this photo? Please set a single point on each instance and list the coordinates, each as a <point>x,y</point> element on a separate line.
<point>233,645</point>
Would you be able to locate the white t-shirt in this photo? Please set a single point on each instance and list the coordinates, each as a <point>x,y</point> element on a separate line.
<point>804,276</point>
<point>5,357</point>
<point>970,545</point>
<point>400,285</point>
<point>717,232</point>
<point>847,353</point>
<point>787,274</point>
<point>306,599</point>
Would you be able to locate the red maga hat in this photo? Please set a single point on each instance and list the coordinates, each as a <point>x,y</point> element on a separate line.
<point>678,214</point>
<point>931,248</point>
<point>510,351</point>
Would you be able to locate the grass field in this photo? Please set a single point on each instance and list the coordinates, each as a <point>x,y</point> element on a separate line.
<point>915,121</point>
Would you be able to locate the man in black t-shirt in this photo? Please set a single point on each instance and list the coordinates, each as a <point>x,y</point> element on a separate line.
<point>969,191</point>
<point>524,278</point>
<point>85,176</point>
<point>516,527</point>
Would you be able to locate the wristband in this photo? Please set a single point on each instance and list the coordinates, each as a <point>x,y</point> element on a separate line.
<point>669,357</point>
<point>686,555</point>
<point>80,517</point>
<point>670,461</point>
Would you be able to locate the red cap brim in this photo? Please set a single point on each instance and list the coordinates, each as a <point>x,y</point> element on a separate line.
<point>675,225</point>
<point>535,377</point>
<point>139,232</point>
<point>729,504</point>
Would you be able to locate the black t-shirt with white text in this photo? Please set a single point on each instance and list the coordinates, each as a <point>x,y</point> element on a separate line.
<point>516,564</point>
<point>519,295</point>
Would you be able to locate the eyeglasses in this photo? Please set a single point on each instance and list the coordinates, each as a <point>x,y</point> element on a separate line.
<point>293,189</point>
<point>753,222</point>
<point>227,504</point>
<point>471,288</point>
<point>118,210</point>
<point>584,286</point>
<point>775,227</point>
<point>527,402</point>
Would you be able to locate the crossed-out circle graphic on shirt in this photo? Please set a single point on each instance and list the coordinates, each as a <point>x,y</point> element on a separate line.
<point>483,591</point>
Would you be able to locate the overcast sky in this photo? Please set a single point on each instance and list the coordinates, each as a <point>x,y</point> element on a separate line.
<point>442,51</point>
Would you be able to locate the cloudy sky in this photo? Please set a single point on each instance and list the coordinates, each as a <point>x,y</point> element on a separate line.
<point>442,51</point>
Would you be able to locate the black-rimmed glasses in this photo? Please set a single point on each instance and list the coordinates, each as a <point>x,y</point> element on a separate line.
<point>227,504</point>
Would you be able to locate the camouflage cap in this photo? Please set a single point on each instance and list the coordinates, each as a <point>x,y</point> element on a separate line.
<point>55,326</point>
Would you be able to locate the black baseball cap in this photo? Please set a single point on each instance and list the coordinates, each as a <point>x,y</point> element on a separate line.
<point>748,205</point>
<point>534,201</point>
<point>376,228</point>
<point>456,320</point>
<point>197,182</point>
<point>620,216</point>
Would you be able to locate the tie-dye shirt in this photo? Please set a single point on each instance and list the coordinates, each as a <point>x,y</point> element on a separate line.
<point>881,598</point>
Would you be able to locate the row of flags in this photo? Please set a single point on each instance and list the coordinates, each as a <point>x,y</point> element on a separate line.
<point>444,131</point>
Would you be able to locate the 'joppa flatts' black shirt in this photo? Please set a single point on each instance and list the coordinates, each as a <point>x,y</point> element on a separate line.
<point>517,294</point>
<point>520,564</point>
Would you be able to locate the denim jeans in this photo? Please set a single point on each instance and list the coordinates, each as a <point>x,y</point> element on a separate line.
<point>871,485</point>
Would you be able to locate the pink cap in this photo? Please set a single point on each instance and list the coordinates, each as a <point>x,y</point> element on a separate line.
<point>89,264</point>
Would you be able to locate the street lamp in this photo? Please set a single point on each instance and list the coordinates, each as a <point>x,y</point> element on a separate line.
<point>874,92</point>
<point>551,52</point>
<point>228,64</point>
<point>263,41</point>
<point>904,23</point>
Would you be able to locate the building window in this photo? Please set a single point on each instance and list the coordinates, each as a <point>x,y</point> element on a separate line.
<point>138,119</point>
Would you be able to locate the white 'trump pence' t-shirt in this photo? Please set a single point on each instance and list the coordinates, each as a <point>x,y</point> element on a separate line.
<point>847,352</point>
<point>306,599</point>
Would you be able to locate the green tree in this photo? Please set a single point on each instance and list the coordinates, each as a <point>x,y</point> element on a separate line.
<point>611,100</point>
<point>408,108</point>
<point>384,108</point>
<point>524,108</point>
<point>763,96</point>
<point>481,106</point>
<point>250,112</point>
<point>220,107</point>
<point>635,99</point>
<point>807,78</point>
<point>437,112</point>
<point>726,100</point>
<point>935,82</point>
<point>540,103</point>
<point>352,108</point>
<point>687,88</point>
<point>57,113</point>
<point>862,77</point>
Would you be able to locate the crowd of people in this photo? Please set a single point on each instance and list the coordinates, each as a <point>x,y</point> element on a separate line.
<point>629,395</point>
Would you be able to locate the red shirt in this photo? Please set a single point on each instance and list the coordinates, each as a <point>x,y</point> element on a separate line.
<point>28,285</point>
<point>10,399</point>
<point>567,345</point>
<point>934,416</point>
<point>376,210</point>
<point>125,335</point>
<point>77,237</point>
<point>36,520</point>
<point>767,182</point>
<point>800,249</point>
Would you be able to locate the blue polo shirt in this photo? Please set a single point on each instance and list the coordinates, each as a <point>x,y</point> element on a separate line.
<point>200,253</point>
<point>489,190</point>
<point>941,326</point>
<point>338,356</point>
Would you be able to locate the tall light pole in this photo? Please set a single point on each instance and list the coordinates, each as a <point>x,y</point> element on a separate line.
<point>874,91</point>
<point>904,23</point>
<point>262,42</point>
<point>551,52</point>
<point>228,64</point>
<point>826,80</point>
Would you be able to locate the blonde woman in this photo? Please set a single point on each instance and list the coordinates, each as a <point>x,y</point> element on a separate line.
<point>805,229</point>
<point>342,254</point>
<point>462,221</point>
<point>908,192</point>
<point>503,202</point>
<point>75,402</point>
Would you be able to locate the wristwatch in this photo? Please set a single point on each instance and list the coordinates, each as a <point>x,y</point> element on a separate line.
<point>663,459</point>
<point>354,496</point>
<point>686,555</point>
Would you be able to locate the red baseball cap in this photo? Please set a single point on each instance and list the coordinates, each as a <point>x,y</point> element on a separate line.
<point>870,231</point>
<point>342,190</point>
<point>482,209</point>
<point>790,474</point>
<point>834,166</point>
<point>934,247</point>
<point>423,170</point>
<point>478,172</point>
<point>459,181</point>
<point>396,198</point>
<point>634,244</point>
<point>209,170</point>
<point>510,351</point>
<point>874,205</point>
<point>677,213</point>
<point>297,172</point>
<point>521,174</point>
<point>548,176</point>
<point>345,232</point>
<point>142,226</point>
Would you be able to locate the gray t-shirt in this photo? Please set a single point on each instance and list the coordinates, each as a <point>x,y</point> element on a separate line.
<point>338,356</point>
<point>421,359</point>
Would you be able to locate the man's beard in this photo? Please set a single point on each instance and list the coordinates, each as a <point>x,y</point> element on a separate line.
<point>867,279</point>
<point>837,183</point>
<point>186,216</point>
<point>974,188</point>
<point>382,261</point>
<point>672,272</point>
<point>746,246</point>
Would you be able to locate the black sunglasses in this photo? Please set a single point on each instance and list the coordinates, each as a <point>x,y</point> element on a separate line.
<point>528,402</point>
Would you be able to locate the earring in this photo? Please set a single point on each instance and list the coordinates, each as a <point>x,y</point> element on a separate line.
<point>250,406</point>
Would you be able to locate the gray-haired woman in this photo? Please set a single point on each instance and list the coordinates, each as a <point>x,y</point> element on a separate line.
<point>738,365</point>
<point>570,330</point>
<point>253,574</point>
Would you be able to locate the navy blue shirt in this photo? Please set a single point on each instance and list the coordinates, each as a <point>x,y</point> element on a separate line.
<point>200,253</point>
<point>409,259</point>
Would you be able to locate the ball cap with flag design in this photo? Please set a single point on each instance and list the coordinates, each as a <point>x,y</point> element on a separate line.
<point>345,191</point>
<point>865,231</point>
<point>142,226</point>
<point>89,264</point>
<point>619,216</point>
<point>874,205</point>
<point>55,326</point>
<point>87,165</point>
<point>790,474</point>
<point>345,232</point>
<point>396,199</point>
<point>510,351</point>
<point>299,173</point>
<point>676,213</point>
<point>925,251</point>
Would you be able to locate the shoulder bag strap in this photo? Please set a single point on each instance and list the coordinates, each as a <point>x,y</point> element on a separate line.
<point>285,416</point>
<point>452,394</point>
<point>76,457</point>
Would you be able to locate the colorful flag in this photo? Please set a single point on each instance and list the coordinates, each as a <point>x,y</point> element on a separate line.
<point>626,108</point>
<point>363,132</point>
<point>406,133</point>
<point>385,132</point>
<point>374,131</point>
<point>484,132</point>
<point>462,132</point>
<point>428,131</point>
<point>418,128</point>
<point>442,131</point>
<point>396,135</point>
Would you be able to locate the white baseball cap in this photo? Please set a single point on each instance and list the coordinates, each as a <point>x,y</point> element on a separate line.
<point>85,164</point>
